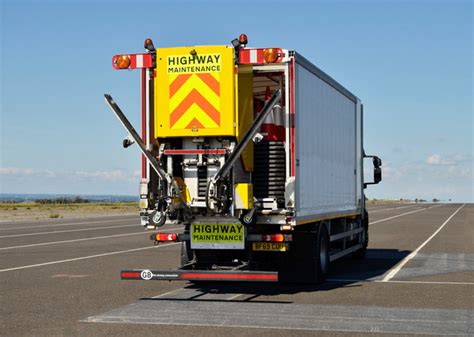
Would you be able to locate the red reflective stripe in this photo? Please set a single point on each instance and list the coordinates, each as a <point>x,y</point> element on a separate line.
<point>189,152</point>
<point>255,56</point>
<point>137,61</point>
<point>251,56</point>
<point>229,276</point>
<point>243,56</point>
<point>131,275</point>
<point>143,119</point>
<point>292,116</point>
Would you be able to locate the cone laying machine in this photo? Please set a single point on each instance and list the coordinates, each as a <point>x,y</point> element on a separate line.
<point>252,159</point>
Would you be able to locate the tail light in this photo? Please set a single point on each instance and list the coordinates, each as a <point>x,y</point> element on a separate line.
<point>273,237</point>
<point>166,237</point>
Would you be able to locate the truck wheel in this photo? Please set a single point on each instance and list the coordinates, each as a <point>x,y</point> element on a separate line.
<point>187,255</point>
<point>157,218</point>
<point>361,253</point>
<point>308,258</point>
<point>322,254</point>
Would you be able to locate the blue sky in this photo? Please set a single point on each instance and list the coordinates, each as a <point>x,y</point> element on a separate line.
<point>410,63</point>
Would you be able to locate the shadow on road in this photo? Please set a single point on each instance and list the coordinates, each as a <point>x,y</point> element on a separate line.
<point>343,273</point>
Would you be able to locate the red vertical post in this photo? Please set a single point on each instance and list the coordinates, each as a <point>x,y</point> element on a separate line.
<point>144,139</point>
<point>292,117</point>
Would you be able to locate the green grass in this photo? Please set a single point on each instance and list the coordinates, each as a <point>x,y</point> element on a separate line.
<point>56,210</point>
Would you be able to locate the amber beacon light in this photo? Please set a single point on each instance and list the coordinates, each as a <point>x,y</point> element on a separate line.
<point>270,55</point>
<point>243,39</point>
<point>123,61</point>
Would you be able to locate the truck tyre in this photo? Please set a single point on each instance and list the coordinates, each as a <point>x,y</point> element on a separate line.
<point>187,255</point>
<point>322,254</point>
<point>362,252</point>
<point>157,218</point>
<point>308,258</point>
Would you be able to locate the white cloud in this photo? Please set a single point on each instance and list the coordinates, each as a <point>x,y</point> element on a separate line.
<point>449,160</point>
<point>111,175</point>
<point>26,172</point>
<point>102,175</point>
<point>436,159</point>
<point>137,173</point>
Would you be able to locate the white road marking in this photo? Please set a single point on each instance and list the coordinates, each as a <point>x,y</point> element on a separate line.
<point>190,294</point>
<point>69,276</point>
<point>78,240</point>
<point>399,281</point>
<point>167,293</point>
<point>64,224</point>
<point>87,257</point>
<point>400,265</point>
<point>67,231</point>
<point>403,214</point>
<point>23,221</point>
<point>391,208</point>
<point>67,241</point>
<point>233,297</point>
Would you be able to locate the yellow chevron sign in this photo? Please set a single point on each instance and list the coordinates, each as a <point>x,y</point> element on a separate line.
<point>194,90</point>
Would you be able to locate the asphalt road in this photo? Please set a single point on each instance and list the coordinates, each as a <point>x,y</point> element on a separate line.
<point>61,278</point>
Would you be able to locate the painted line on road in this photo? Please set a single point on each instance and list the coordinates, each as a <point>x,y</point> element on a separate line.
<point>28,220</point>
<point>388,209</point>
<point>168,293</point>
<point>66,231</point>
<point>87,257</point>
<point>64,224</point>
<point>234,297</point>
<point>78,240</point>
<point>344,280</point>
<point>291,316</point>
<point>403,214</point>
<point>400,265</point>
<point>187,293</point>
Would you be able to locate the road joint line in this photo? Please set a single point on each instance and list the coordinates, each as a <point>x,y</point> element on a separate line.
<point>65,231</point>
<point>86,257</point>
<point>61,224</point>
<point>400,281</point>
<point>403,214</point>
<point>391,273</point>
<point>391,208</point>
<point>78,240</point>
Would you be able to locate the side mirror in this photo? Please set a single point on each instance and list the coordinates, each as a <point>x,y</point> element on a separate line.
<point>377,162</point>
<point>377,175</point>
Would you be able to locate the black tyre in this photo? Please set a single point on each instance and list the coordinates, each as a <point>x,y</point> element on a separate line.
<point>322,254</point>
<point>308,258</point>
<point>157,218</point>
<point>362,252</point>
<point>187,255</point>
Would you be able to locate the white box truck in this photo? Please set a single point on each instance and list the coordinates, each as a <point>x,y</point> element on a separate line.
<point>256,154</point>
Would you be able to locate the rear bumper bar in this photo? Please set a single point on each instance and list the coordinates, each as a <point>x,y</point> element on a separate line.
<point>199,275</point>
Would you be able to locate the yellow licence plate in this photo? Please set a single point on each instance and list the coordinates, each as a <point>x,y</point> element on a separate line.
<point>269,246</point>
